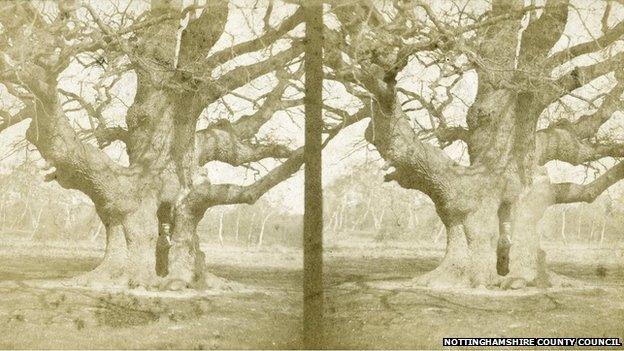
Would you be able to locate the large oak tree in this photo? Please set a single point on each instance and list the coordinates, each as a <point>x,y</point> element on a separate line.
<point>180,70</point>
<point>404,60</point>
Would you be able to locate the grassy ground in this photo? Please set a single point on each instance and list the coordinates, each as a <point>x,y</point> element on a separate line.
<point>369,303</point>
<point>265,315</point>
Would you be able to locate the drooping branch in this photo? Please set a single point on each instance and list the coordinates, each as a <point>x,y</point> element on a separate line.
<point>205,195</point>
<point>563,145</point>
<point>419,165</point>
<point>79,165</point>
<point>572,192</point>
<point>231,142</point>
<point>573,142</point>
<point>390,130</point>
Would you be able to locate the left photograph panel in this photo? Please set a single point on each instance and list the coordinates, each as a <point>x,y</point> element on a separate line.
<point>151,191</point>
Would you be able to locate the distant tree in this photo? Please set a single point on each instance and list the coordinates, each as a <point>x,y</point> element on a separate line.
<point>40,211</point>
<point>361,200</point>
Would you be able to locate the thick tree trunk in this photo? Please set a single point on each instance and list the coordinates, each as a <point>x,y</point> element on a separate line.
<point>481,227</point>
<point>113,264</point>
<point>470,258</point>
<point>452,270</point>
<point>527,264</point>
<point>129,258</point>
<point>186,260</point>
<point>141,233</point>
<point>111,271</point>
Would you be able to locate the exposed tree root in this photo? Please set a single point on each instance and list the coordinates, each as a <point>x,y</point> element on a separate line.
<point>444,276</point>
<point>106,274</point>
<point>455,276</point>
<point>548,280</point>
<point>209,281</point>
<point>561,281</point>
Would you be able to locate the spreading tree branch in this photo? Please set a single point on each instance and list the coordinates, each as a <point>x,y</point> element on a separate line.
<point>221,144</point>
<point>573,142</point>
<point>572,192</point>
<point>264,41</point>
<point>7,119</point>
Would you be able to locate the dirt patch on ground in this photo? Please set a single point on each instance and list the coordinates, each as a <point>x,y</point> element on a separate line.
<point>46,314</point>
<point>370,304</point>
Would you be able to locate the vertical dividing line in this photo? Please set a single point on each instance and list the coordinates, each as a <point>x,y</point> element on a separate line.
<point>313,194</point>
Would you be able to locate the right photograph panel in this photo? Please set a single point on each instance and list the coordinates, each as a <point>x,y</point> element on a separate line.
<point>474,191</point>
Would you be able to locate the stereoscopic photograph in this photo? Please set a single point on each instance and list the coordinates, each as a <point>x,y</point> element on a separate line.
<point>311,174</point>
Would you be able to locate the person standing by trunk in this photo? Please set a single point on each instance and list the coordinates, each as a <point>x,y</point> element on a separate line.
<point>162,249</point>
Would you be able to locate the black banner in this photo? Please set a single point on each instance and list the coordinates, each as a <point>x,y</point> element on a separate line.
<point>546,342</point>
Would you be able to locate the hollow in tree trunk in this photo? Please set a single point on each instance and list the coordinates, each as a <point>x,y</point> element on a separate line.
<point>504,239</point>
<point>163,243</point>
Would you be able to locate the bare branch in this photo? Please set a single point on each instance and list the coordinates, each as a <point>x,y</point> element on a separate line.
<point>7,120</point>
<point>220,143</point>
<point>608,38</point>
<point>572,192</point>
<point>580,76</point>
<point>205,195</point>
<point>256,44</point>
<point>242,75</point>
<point>247,126</point>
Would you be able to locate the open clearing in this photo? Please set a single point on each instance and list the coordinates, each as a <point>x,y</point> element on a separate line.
<point>35,315</point>
<point>369,306</point>
<point>368,302</point>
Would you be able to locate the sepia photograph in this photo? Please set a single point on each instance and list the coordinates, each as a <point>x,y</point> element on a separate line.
<point>311,174</point>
